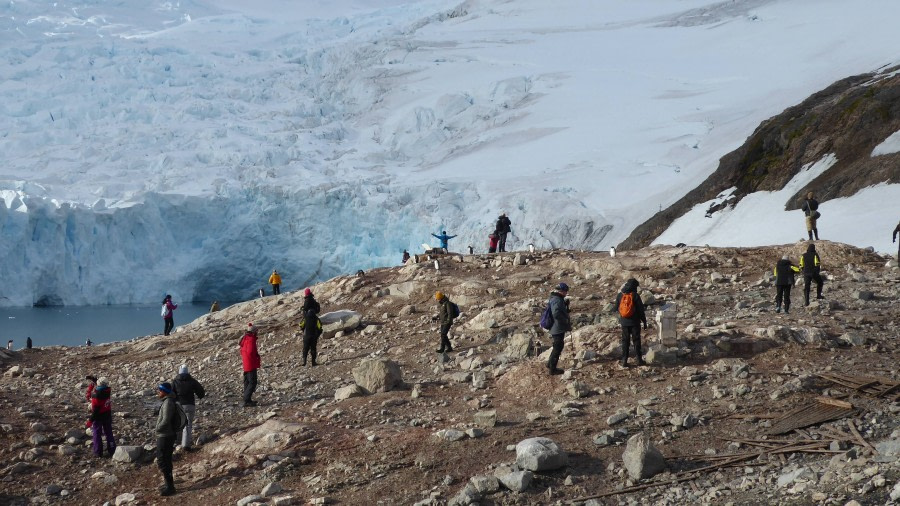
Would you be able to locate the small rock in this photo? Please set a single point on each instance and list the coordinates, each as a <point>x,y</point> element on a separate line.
<point>125,498</point>
<point>616,418</point>
<point>250,499</point>
<point>486,418</point>
<point>641,459</point>
<point>272,489</point>
<point>517,481</point>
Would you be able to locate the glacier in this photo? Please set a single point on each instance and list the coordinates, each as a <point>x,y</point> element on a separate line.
<point>191,147</point>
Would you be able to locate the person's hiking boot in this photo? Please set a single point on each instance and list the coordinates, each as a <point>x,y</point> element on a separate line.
<point>304,362</point>
<point>314,363</point>
<point>556,371</point>
<point>819,297</point>
<point>777,309</point>
<point>640,362</point>
<point>440,350</point>
<point>249,404</point>
<point>623,364</point>
<point>786,310</point>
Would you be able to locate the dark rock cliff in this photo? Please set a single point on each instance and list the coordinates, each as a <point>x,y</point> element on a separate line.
<point>849,119</point>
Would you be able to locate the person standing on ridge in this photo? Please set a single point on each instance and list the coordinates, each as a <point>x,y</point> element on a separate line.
<point>784,280</point>
<point>809,208</point>
<point>167,309</point>
<point>312,329</point>
<point>165,436</point>
<point>894,239</point>
<point>405,256</point>
<point>559,310</point>
<point>310,302</point>
<point>504,227</point>
<point>89,343</point>
<point>444,238</point>
<point>185,388</point>
<point>28,343</point>
<point>101,419</point>
<point>446,315</point>
<point>632,314</point>
<point>275,281</point>
<point>810,265</point>
<point>251,361</point>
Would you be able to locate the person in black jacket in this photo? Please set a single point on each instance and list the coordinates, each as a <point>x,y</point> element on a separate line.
<point>811,265</point>
<point>562,323</point>
<point>445,316</point>
<point>631,320</point>
<point>809,209</point>
<point>894,239</point>
<point>310,302</point>
<point>312,329</point>
<point>784,280</point>
<point>186,388</point>
<point>504,227</point>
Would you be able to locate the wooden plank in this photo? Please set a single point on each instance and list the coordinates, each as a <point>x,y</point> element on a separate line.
<point>859,436</point>
<point>834,402</point>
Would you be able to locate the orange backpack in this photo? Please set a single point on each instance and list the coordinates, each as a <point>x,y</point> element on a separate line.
<point>626,305</point>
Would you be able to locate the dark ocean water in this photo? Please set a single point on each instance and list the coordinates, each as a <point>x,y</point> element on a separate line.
<point>73,325</point>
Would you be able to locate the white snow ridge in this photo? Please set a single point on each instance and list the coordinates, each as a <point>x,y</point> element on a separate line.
<point>191,147</point>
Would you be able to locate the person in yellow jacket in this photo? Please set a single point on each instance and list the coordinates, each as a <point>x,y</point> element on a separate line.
<point>275,281</point>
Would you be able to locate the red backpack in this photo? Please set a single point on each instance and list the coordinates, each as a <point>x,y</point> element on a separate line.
<point>626,305</point>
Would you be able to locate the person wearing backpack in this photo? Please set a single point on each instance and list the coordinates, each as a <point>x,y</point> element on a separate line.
<point>186,389</point>
<point>631,315</point>
<point>310,302</point>
<point>559,311</point>
<point>312,329</point>
<point>167,308</point>
<point>166,426</point>
<point>101,419</point>
<point>447,312</point>
<point>811,266</point>
<point>784,280</point>
<point>809,208</point>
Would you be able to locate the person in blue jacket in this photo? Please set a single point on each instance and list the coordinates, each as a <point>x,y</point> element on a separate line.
<point>444,238</point>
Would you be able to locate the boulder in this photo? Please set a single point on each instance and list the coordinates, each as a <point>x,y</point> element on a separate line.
<point>270,437</point>
<point>485,484</point>
<point>540,454</point>
<point>517,481</point>
<point>519,346</point>
<point>339,321</point>
<point>377,375</point>
<point>486,418</point>
<point>641,459</point>
<point>128,454</point>
<point>348,392</point>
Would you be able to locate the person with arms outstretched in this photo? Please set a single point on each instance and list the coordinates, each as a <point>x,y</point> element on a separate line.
<point>444,238</point>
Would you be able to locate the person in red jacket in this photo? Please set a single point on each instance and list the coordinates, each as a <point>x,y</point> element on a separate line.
<point>250,358</point>
<point>101,418</point>
<point>92,384</point>
<point>493,241</point>
<point>168,307</point>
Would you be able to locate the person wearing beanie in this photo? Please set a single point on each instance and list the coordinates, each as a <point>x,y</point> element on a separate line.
<point>251,362</point>
<point>810,206</point>
<point>167,309</point>
<point>275,281</point>
<point>310,302</point>
<point>559,309</point>
<point>631,318</point>
<point>784,279</point>
<point>165,436</point>
<point>101,419</point>
<point>447,312</point>
<point>186,390</point>
<point>811,267</point>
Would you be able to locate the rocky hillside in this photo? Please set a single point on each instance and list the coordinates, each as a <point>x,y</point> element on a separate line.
<point>848,119</point>
<point>386,420</point>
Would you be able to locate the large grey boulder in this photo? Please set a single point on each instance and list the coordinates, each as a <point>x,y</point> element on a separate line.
<point>128,454</point>
<point>377,375</point>
<point>519,346</point>
<point>540,454</point>
<point>641,459</point>
<point>344,320</point>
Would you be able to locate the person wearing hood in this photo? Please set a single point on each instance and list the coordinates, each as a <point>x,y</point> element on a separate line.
<point>251,363</point>
<point>445,317</point>
<point>275,281</point>
<point>405,257</point>
<point>503,228</point>
<point>312,329</point>
<point>810,206</point>
<point>632,314</point>
<point>894,239</point>
<point>310,302</point>
<point>559,309</point>
<point>165,436</point>
<point>92,384</point>
<point>187,390</point>
<point>168,307</point>
<point>445,239</point>
<point>811,265</point>
<point>101,419</point>
<point>784,280</point>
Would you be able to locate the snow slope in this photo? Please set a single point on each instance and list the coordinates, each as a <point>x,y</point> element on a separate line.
<point>191,147</point>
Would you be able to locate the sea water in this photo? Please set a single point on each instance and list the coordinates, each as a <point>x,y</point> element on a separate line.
<point>73,325</point>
